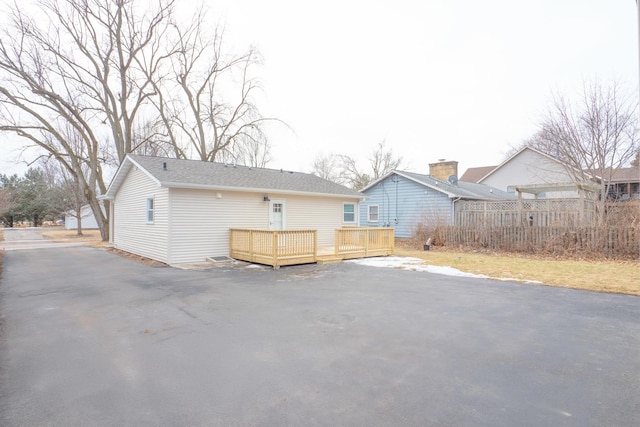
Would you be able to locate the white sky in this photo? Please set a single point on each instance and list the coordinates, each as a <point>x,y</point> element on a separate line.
<point>454,79</point>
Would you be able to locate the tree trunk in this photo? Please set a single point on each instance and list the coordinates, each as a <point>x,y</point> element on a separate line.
<point>79,218</point>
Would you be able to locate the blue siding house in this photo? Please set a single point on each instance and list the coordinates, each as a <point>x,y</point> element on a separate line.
<point>403,200</point>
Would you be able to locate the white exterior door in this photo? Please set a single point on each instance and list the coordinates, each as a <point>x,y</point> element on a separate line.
<point>276,215</point>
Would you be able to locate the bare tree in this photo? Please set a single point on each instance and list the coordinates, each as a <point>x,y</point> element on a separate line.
<point>76,65</point>
<point>326,166</point>
<point>381,162</point>
<point>251,152</point>
<point>84,81</point>
<point>205,99</point>
<point>540,142</point>
<point>594,136</point>
<point>351,174</point>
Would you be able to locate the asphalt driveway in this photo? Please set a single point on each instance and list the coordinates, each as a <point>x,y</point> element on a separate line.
<point>22,238</point>
<point>90,338</point>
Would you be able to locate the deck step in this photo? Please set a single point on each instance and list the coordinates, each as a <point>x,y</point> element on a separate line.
<point>322,261</point>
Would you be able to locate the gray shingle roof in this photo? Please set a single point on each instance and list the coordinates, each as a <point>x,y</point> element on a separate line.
<point>195,173</point>
<point>476,174</point>
<point>466,190</point>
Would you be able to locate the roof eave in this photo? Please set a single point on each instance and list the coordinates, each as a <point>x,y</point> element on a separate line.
<point>257,190</point>
<point>432,186</point>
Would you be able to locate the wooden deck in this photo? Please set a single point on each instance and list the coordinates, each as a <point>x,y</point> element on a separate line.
<point>289,247</point>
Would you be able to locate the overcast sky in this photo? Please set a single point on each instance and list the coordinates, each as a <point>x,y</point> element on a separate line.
<point>437,79</point>
<point>455,79</point>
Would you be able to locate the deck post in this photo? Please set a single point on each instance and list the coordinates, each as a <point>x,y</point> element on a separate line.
<point>392,240</point>
<point>275,250</point>
<point>366,243</point>
<point>315,245</point>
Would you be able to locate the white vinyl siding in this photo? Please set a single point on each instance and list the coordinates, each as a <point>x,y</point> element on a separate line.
<point>531,168</point>
<point>200,221</point>
<point>132,232</point>
<point>190,225</point>
<point>324,214</point>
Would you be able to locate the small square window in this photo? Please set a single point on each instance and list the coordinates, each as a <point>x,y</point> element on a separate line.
<point>373,213</point>
<point>349,212</point>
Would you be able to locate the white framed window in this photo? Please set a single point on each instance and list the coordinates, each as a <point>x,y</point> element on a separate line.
<point>373,213</point>
<point>349,213</point>
<point>150,210</point>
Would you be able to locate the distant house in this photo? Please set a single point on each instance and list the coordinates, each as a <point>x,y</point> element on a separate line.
<point>180,211</point>
<point>403,200</point>
<point>88,220</point>
<point>535,174</point>
<point>624,183</point>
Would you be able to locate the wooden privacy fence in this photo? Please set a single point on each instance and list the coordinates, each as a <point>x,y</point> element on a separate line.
<point>614,242</point>
<point>362,242</point>
<point>288,247</point>
<point>274,247</point>
<point>537,212</point>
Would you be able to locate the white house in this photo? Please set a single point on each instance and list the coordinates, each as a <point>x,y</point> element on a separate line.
<point>88,220</point>
<point>180,211</point>
<point>534,174</point>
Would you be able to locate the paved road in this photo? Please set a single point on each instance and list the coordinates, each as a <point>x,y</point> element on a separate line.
<point>91,339</point>
<point>30,238</point>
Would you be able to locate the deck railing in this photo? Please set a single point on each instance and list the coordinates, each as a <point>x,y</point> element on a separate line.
<point>274,247</point>
<point>288,247</point>
<point>361,242</point>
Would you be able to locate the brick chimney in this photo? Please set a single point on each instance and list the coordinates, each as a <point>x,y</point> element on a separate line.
<point>443,169</point>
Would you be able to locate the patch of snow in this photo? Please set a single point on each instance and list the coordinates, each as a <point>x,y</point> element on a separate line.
<point>414,264</point>
<point>417,264</point>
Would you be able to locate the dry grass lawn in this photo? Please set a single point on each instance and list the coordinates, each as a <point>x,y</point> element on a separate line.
<point>602,276</point>
<point>90,237</point>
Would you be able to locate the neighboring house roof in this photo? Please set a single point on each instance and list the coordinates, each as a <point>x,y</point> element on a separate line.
<point>479,174</point>
<point>623,175</point>
<point>465,190</point>
<point>547,156</point>
<point>220,176</point>
<point>476,174</point>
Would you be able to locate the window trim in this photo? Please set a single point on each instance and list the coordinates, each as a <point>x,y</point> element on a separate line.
<point>344,212</point>
<point>377,213</point>
<point>151,205</point>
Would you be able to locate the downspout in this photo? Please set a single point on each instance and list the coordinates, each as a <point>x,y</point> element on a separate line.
<point>452,221</point>
<point>395,219</point>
